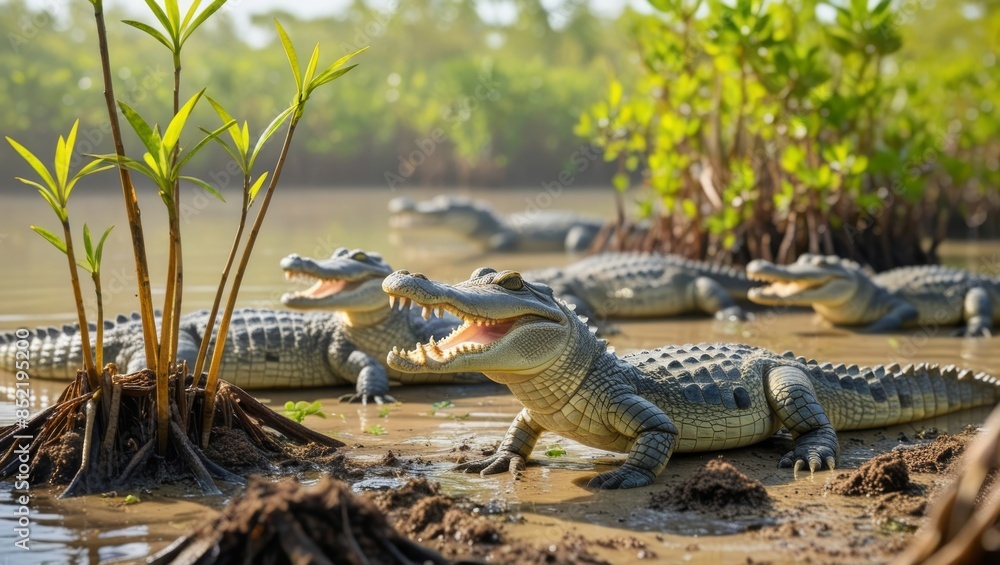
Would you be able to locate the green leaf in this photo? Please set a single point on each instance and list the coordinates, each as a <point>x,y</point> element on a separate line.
<point>90,168</point>
<point>310,69</point>
<point>204,15</point>
<point>100,248</point>
<point>255,188</point>
<point>293,60</point>
<point>271,128</point>
<point>51,238</point>
<point>211,190</point>
<point>34,162</point>
<point>232,152</point>
<point>64,153</point>
<point>555,451</point>
<point>174,13</point>
<point>149,138</point>
<point>151,31</point>
<point>191,11</point>
<point>48,195</point>
<point>234,131</point>
<point>173,133</point>
<point>164,21</point>
<point>328,76</point>
<point>289,406</point>
<point>88,246</point>
<point>131,164</point>
<point>198,146</point>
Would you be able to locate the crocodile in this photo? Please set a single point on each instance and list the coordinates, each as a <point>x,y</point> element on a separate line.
<point>275,348</point>
<point>532,230</point>
<point>653,403</point>
<point>847,294</point>
<point>646,285</point>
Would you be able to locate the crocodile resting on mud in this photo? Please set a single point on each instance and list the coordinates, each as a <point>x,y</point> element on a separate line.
<point>653,403</point>
<point>274,348</point>
<point>646,285</point>
<point>531,230</point>
<point>847,294</point>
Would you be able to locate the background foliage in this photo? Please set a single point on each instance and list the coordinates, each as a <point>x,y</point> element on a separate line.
<point>769,129</point>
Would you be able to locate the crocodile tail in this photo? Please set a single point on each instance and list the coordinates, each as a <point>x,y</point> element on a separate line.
<point>866,397</point>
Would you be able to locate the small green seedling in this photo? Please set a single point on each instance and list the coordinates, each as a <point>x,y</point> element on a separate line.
<point>376,430</point>
<point>384,411</point>
<point>299,410</point>
<point>132,499</point>
<point>555,451</point>
<point>459,417</point>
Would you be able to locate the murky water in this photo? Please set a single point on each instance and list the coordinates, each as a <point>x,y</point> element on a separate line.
<point>552,499</point>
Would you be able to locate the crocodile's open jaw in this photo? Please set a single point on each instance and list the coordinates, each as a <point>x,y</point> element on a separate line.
<point>481,342</point>
<point>802,283</point>
<point>350,281</point>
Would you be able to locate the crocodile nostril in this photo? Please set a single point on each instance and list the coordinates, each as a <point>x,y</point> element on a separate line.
<point>402,272</point>
<point>420,276</point>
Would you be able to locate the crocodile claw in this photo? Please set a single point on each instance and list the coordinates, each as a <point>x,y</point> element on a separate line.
<point>499,462</point>
<point>813,451</point>
<point>733,314</point>
<point>365,398</point>
<point>626,476</point>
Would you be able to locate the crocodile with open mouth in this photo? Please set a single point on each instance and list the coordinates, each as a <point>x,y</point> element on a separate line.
<point>531,230</point>
<point>274,348</point>
<point>653,403</point>
<point>847,294</point>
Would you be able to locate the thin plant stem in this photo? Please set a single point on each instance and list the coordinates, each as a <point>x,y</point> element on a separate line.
<point>88,360</point>
<point>212,382</point>
<point>178,257</point>
<point>210,325</point>
<point>99,350</point>
<point>167,337</point>
<point>131,203</point>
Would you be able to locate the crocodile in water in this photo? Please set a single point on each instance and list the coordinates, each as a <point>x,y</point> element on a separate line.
<point>650,404</point>
<point>847,294</point>
<point>531,230</point>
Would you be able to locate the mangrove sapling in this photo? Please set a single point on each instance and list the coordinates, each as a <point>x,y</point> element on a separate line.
<point>143,291</point>
<point>304,87</point>
<point>56,191</point>
<point>245,158</point>
<point>177,33</point>
<point>163,163</point>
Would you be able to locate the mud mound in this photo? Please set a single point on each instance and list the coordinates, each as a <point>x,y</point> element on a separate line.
<point>719,488</point>
<point>884,473</point>
<point>421,511</point>
<point>289,523</point>
<point>939,455</point>
<point>59,460</point>
<point>233,449</point>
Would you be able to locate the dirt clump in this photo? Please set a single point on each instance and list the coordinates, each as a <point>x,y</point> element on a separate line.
<point>286,522</point>
<point>232,449</point>
<point>59,460</point>
<point>879,475</point>
<point>939,455</point>
<point>718,488</point>
<point>570,550</point>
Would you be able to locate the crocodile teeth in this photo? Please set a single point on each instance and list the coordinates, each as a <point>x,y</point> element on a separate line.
<point>426,313</point>
<point>439,312</point>
<point>392,301</point>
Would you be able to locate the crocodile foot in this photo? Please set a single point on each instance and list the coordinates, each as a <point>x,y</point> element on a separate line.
<point>626,476</point>
<point>814,450</point>
<point>733,314</point>
<point>365,398</point>
<point>497,463</point>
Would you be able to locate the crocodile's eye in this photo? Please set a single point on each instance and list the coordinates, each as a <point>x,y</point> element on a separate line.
<point>359,256</point>
<point>511,281</point>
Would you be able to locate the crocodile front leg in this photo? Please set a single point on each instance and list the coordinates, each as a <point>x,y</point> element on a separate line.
<point>900,314</point>
<point>791,396</point>
<point>978,313</point>
<point>710,297</point>
<point>372,383</point>
<point>513,451</point>
<point>634,416</point>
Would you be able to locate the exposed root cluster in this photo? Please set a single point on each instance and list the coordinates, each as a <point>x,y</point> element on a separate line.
<point>102,440</point>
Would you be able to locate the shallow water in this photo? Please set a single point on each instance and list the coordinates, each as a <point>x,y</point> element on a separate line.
<point>552,498</point>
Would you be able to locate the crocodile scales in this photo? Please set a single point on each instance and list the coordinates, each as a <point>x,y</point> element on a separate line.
<point>275,348</point>
<point>646,285</point>
<point>845,293</point>
<point>653,403</point>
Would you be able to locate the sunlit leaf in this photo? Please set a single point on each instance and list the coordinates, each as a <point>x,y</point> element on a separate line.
<point>149,138</point>
<point>162,17</point>
<point>310,68</point>
<point>271,128</point>
<point>208,188</point>
<point>234,130</point>
<point>255,187</point>
<point>204,15</point>
<point>293,60</point>
<point>173,133</point>
<point>35,163</point>
<point>100,247</point>
<point>198,146</point>
<point>51,238</point>
<point>151,31</point>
